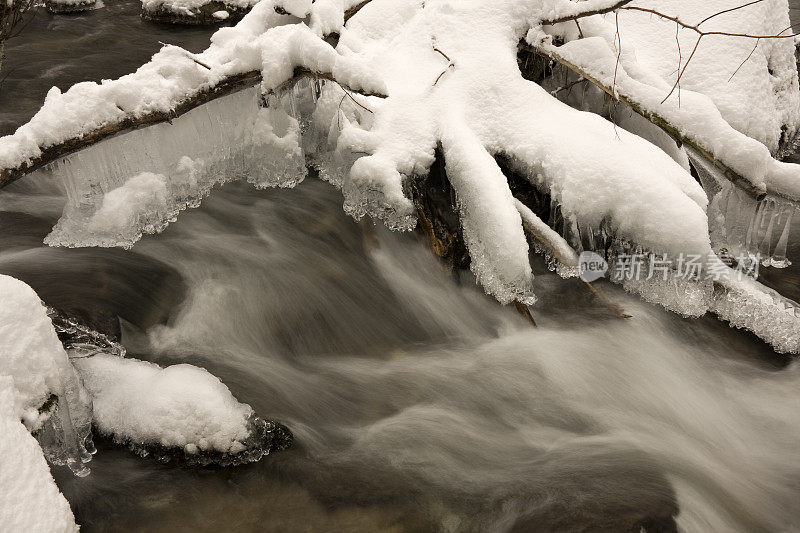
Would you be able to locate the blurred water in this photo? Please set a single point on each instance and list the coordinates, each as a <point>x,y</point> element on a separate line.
<point>418,403</point>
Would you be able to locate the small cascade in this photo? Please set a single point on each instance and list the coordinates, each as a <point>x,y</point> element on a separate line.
<point>742,227</point>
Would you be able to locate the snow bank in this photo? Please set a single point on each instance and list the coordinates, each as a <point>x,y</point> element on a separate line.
<point>179,407</point>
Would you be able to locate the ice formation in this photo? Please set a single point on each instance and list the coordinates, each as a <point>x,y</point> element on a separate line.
<point>742,226</point>
<point>611,190</point>
<point>180,407</point>
<point>747,304</point>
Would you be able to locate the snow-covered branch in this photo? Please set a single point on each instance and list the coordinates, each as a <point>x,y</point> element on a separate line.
<point>175,82</point>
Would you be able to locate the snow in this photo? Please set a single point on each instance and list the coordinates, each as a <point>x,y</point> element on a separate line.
<point>173,75</point>
<point>220,15</point>
<point>32,356</point>
<point>754,101</point>
<point>179,406</point>
<point>30,500</point>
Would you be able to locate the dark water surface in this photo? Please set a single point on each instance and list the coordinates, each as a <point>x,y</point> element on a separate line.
<point>417,403</point>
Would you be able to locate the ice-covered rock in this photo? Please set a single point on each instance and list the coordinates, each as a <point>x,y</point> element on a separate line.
<point>178,411</point>
<point>70,6</point>
<point>194,12</point>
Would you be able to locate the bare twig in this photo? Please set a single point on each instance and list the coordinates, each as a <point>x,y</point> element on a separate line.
<point>727,11</point>
<point>188,54</point>
<point>745,60</point>
<point>702,33</point>
<point>588,13</point>
<point>451,65</point>
<point>14,17</point>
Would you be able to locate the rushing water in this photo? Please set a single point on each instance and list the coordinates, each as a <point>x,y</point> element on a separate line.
<point>417,402</point>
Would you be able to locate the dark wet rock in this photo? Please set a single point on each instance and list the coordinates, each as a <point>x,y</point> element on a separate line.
<point>265,437</point>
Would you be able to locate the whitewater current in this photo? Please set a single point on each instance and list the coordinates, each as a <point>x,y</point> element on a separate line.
<point>417,402</point>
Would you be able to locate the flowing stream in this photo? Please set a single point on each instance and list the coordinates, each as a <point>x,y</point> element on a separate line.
<point>417,403</point>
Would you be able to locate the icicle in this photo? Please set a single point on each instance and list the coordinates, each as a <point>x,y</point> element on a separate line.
<point>742,227</point>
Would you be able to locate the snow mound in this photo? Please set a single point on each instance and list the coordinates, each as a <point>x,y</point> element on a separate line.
<point>194,11</point>
<point>180,407</point>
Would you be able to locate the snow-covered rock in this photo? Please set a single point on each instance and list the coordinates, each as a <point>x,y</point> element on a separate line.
<point>33,368</point>
<point>180,410</point>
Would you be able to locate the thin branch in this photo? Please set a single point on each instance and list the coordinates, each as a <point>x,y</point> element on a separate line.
<point>703,33</point>
<point>680,75</point>
<point>188,54</point>
<point>443,54</point>
<point>589,13</point>
<point>745,60</point>
<point>728,11</point>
